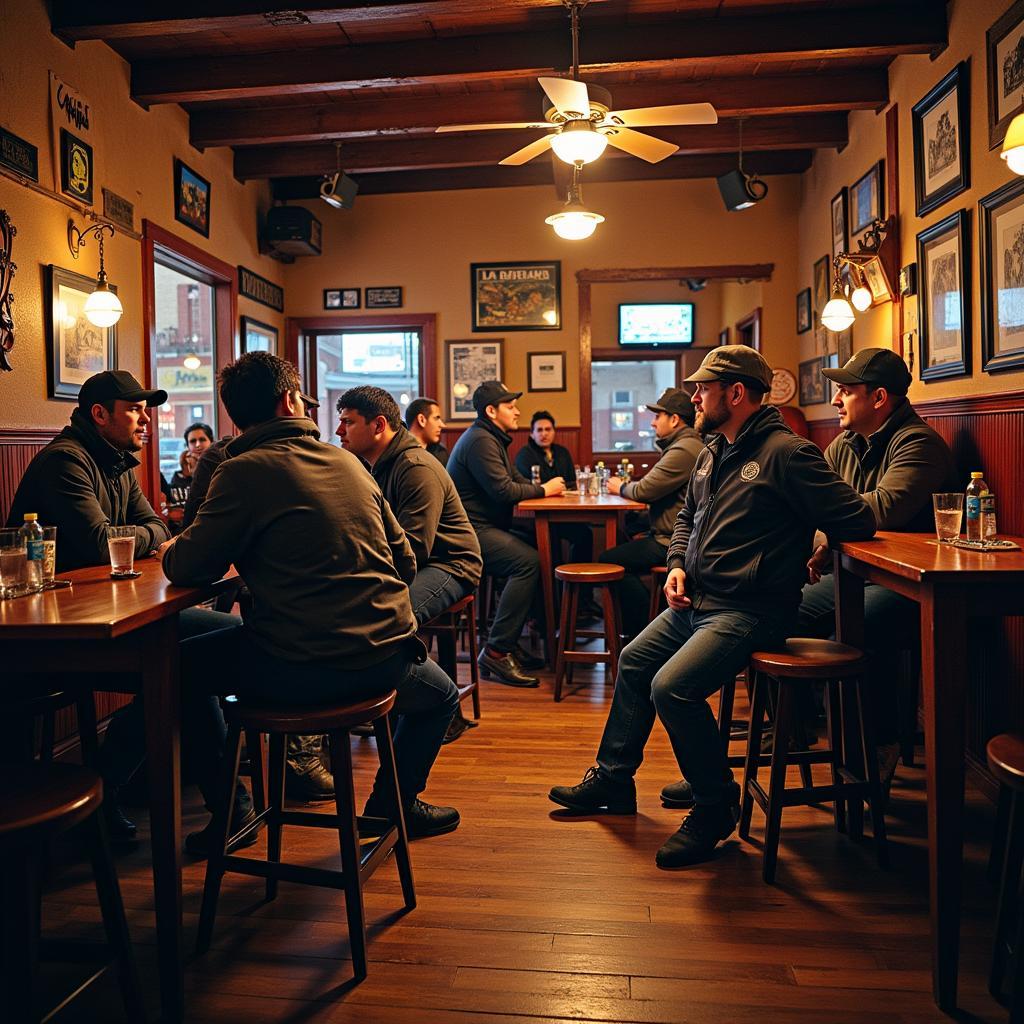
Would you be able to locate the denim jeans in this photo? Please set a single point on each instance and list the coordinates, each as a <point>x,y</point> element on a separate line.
<point>670,670</point>
<point>434,590</point>
<point>508,556</point>
<point>636,557</point>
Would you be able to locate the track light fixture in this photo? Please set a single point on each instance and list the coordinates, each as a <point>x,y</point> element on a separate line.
<point>338,189</point>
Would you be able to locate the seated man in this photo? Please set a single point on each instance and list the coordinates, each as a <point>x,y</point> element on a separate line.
<point>328,566</point>
<point>663,488</point>
<point>736,564</point>
<point>423,420</point>
<point>489,488</point>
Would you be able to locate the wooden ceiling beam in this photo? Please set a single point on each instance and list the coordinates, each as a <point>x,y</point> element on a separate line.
<point>732,97</point>
<point>913,26</point>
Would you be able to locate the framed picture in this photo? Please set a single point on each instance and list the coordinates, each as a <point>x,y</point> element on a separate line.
<point>867,199</point>
<point>941,127</point>
<point>516,296</point>
<point>75,348</point>
<point>820,284</point>
<point>191,198</point>
<point>256,336</point>
<point>76,167</point>
<point>840,235</point>
<point>341,298</point>
<point>878,282</point>
<point>1005,72</point>
<point>389,297</point>
<point>944,316</point>
<point>844,346</point>
<point>803,311</point>
<point>470,363</point>
<point>812,384</point>
<point>908,279</point>
<point>1001,237</point>
<point>545,371</point>
<point>723,336</point>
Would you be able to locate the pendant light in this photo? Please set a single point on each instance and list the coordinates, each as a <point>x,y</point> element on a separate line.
<point>574,221</point>
<point>102,308</point>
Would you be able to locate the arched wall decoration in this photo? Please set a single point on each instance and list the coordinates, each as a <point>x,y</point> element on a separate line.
<point>7,269</point>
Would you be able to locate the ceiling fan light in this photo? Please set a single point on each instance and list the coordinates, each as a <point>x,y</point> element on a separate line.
<point>574,223</point>
<point>837,314</point>
<point>578,143</point>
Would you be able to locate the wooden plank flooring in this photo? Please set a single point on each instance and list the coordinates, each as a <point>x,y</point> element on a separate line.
<point>528,914</point>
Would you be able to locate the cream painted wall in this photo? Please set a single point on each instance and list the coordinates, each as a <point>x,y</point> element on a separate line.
<point>133,153</point>
<point>910,78</point>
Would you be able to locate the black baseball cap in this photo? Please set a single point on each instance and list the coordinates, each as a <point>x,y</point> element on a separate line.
<point>492,392</point>
<point>676,402</point>
<point>735,362</point>
<point>876,367</point>
<point>120,384</point>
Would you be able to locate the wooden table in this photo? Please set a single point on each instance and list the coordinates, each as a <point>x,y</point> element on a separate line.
<point>950,585</point>
<point>100,627</point>
<point>570,508</point>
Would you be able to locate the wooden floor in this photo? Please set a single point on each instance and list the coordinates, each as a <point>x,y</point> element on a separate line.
<point>527,915</point>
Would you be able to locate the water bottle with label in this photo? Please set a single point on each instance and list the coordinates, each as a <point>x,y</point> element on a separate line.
<point>35,551</point>
<point>535,474</point>
<point>980,507</point>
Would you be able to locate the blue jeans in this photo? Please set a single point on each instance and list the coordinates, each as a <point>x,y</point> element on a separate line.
<point>508,556</point>
<point>433,591</point>
<point>671,669</point>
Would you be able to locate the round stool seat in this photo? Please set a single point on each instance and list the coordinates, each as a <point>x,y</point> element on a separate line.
<point>315,718</point>
<point>1006,759</point>
<point>453,609</point>
<point>589,572</point>
<point>37,799</point>
<point>802,658</point>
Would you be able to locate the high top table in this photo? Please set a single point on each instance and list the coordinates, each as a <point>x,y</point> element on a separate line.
<point>950,585</point>
<point>122,636</point>
<point>570,507</point>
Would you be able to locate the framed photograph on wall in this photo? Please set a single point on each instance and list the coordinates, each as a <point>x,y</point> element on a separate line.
<point>803,311</point>
<point>256,336</point>
<point>1004,46</point>
<point>820,284</point>
<point>944,311</point>
<point>341,298</point>
<point>812,383</point>
<point>191,198</point>
<point>867,199</point>
<point>1001,237</point>
<point>838,220</point>
<point>468,364</point>
<point>545,371</point>
<point>941,128</point>
<point>516,296</point>
<point>878,282</point>
<point>844,346</point>
<point>75,348</point>
<point>388,297</point>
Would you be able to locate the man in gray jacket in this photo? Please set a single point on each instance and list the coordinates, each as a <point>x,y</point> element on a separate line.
<point>663,488</point>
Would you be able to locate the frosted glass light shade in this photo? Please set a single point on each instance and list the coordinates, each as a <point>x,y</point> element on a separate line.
<point>1013,145</point>
<point>861,299</point>
<point>837,314</point>
<point>103,308</point>
<point>578,143</point>
<point>574,223</point>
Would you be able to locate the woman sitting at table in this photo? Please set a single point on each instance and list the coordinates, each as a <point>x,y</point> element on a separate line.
<point>198,437</point>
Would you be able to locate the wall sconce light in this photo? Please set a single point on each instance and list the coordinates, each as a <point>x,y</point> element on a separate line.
<point>1013,145</point>
<point>103,307</point>
<point>838,313</point>
<point>574,221</point>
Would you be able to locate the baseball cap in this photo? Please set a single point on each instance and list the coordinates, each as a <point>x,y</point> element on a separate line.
<point>739,361</point>
<point>102,387</point>
<point>876,367</point>
<point>492,392</point>
<point>674,401</point>
<point>309,401</point>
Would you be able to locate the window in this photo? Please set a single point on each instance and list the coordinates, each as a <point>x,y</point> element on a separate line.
<point>620,391</point>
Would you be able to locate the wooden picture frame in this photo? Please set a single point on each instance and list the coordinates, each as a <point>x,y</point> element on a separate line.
<point>877,281</point>
<point>545,371</point>
<point>867,199</point>
<point>1004,72</point>
<point>467,365</point>
<point>75,348</point>
<point>191,198</point>
<point>256,336</point>
<point>944,310</point>
<point>812,383</point>
<point>821,284</point>
<point>342,298</point>
<point>839,219</point>
<point>723,336</point>
<point>384,297</point>
<point>521,296</point>
<point>1000,236</point>
<point>941,123</point>
<point>804,316</point>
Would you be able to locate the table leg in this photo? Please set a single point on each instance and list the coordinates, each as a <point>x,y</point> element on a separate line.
<point>849,630</point>
<point>611,532</point>
<point>547,579</point>
<point>161,690</point>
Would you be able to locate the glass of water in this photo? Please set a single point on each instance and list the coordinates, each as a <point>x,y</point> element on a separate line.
<point>49,554</point>
<point>121,544</point>
<point>949,511</point>
<point>12,563</point>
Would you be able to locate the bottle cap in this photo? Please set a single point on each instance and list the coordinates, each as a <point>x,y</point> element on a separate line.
<point>976,476</point>
<point>31,517</point>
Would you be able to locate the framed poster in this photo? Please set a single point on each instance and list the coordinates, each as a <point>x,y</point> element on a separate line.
<point>1001,237</point>
<point>1004,46</point>
<point>812,383</point>
<point>545,371</point>
<point>844,346</point>
<point>867,199</point>
<point>341,298</point>
<point>75,348</point>
<point>389,297</point>
<point>191,198</point>
<point>76,167</point>
<point>941,126</point>
<point>944,312</point>
<point>469,363</point>
<point>516,296</point>
<point>838,220</point>
<point>803,311</point>
<point>255,336</point>
<point>820,284</point>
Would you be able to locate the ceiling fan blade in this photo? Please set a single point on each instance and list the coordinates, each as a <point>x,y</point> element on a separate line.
<point>647,147</point>
<point>568,95</point>
<point>672,114</point>
<point>527,153</point>
<point>486,127</point>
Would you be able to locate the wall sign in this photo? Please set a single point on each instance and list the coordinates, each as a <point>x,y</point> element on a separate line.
<point>74,134</point>
<point>259,289</point>
<point>118,210</point>
<point>76,168</point>
<point>19,155</point>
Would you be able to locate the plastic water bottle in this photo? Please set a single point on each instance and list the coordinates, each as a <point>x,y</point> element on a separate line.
<point>535,474</point>
<point>981,510</point>
<point>35,551</point>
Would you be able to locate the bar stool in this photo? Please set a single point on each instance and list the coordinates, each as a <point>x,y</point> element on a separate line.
<point>446,627</point>
<point>1006,762</point>
<point>808,659</point>
<point>38,802</point>
<point>358,862</point>
<point>45,706</point>
<point>573,575</point>
<point>659,573</point>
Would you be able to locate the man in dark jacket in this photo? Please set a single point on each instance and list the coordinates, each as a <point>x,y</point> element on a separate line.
<point>736,562</point>
<point>424,421</point>
<point>489,488</point>
<point>663,488</point>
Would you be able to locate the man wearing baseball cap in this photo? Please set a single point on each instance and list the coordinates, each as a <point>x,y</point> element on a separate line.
<point>489,486</point>
<point>662,488</point>
<point>736,565</point>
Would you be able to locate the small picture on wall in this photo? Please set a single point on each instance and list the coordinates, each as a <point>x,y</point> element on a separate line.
<point>257,336</point>
<point>341,298</point>
<point>1004,43</point>
<point>840,235</point>
<point>191,199</point>
<point>803,311</point>
<point>941,124</point>
<point>866,199</point>
<point>389,297</point>
<point>812,383</point>
<point>545,371</point>
<point>821,292</point>
<point>76,348</point>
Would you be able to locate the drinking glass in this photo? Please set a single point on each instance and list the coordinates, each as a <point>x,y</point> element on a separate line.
<point>12,563</point>
<point>121,544</point>
<point>49,554</point>
<point>949,511</point>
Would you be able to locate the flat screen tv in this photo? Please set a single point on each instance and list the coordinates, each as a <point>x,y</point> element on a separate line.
<point>656,323</point>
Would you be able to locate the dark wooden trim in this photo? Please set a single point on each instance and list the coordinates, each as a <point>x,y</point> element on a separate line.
<point>753,321</point>
<point>747,271</point>
<point>28,435</point>
<point>586,336</point>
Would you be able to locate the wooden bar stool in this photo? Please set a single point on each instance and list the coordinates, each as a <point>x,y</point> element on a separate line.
<point>358,862</point>
<point>45,705</point>
<point>808,659</point>
<point>573,575</point>
<point>1006,762</point>
<point>446,627</point>
<point>659,574</point>
<point>37,803</point>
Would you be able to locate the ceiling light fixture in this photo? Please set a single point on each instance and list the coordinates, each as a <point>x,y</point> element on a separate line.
<point>102,308</point>
<point>191,360</point>
<point>740,190</point>
<point>574,221</point>
<point>338,189</point>
<point>578,143</point>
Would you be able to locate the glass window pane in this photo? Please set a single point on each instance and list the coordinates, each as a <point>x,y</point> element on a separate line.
<point>620,391</point>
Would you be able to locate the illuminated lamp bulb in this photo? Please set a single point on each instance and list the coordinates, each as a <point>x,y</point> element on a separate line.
<point>837,314</point>
<point>191,361</point>
<point>578,142</point>
<point>861,299</point>
<point>102,308</point>
<point>1013,145</point>
<point>574,222</point>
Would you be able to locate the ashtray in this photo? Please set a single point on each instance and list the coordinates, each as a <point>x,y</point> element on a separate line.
<point>133,575</point>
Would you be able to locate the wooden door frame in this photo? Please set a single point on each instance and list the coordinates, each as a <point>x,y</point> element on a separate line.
<point>752,319</point>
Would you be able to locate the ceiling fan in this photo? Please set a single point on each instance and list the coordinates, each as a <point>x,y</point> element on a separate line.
<point>579,121</point>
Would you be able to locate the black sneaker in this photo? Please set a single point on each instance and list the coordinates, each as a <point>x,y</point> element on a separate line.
<point>524,659</point>
<point>677,794</point>
<point>421,819</point>
<point>504,669</point>
<point>595,795</point>
<point>199,844</point>
<point>701,831</point>
<point>309,787</point>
